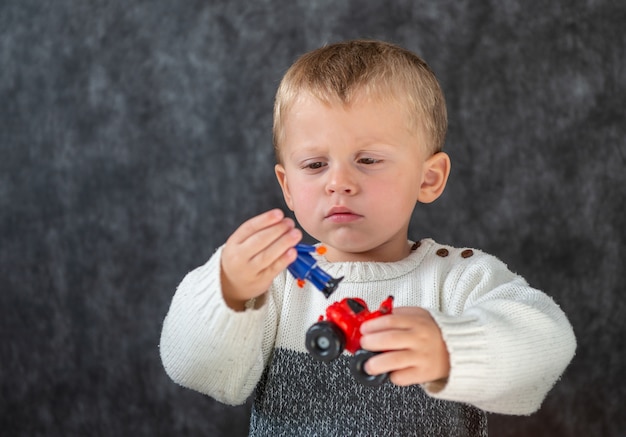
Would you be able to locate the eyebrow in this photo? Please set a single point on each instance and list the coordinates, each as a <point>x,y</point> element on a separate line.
<point>305,150</point>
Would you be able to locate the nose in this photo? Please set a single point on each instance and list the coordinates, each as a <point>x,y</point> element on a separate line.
<point>341,180</point>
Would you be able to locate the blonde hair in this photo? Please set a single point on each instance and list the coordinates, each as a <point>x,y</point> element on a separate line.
<point>343,71</point>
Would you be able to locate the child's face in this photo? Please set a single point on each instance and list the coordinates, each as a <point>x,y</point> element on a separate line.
<point>352,175</point>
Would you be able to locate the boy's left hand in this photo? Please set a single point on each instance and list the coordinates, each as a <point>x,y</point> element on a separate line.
<point>414,350</point>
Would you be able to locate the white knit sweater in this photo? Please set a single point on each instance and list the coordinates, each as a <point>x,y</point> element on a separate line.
<point>508,342</point>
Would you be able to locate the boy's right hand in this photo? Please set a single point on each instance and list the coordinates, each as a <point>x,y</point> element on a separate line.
<point>255,254</point>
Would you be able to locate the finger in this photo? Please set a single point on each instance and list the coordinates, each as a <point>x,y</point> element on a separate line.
<point>271,244</point>
<point>409,311</point>
<point>256,224</point>
<point>248,256</point>
<point>243,279</point>
<point>389,362</point>
<point>408,376</point>
<point>418,372</point>
<point>253,251</point>
<point>393,339</point>
<point>278,255</point>
<point>271,236</point>
<point>404,368</point>
<point>401,318</point>
<point>391,321</point>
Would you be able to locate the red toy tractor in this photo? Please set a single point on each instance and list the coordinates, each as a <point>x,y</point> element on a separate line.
<point>326,339</point>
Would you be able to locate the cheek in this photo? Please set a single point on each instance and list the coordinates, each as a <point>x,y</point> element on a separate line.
<point>392,196</point>
<point>304,196</point>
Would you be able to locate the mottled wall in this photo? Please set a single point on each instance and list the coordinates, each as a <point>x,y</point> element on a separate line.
<point>135,136</point>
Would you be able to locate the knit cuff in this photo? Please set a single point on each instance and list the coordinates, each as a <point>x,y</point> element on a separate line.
<point>469,359</point>
<point>206,345</point>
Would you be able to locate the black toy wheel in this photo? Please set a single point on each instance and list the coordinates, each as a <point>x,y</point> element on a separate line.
<point>325,341</point>
<point>357,366</point>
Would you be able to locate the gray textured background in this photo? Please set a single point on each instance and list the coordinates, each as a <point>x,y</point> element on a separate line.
<point>135,136</point>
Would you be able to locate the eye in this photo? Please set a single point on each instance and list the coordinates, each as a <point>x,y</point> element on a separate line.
<point>313,165</point>
<point>368,161</point>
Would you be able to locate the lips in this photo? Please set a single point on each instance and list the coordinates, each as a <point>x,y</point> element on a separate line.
<point>341,214</point>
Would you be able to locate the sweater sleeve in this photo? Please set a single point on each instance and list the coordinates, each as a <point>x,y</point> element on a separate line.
<point>208,347</point>
<point>508,342</point>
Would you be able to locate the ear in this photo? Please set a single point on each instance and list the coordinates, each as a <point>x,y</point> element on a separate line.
<point>281,175</point>
<point>434,177</point>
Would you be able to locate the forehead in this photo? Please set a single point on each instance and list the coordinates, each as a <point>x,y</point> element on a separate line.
<point>364,123</point>
<point>381,110</point>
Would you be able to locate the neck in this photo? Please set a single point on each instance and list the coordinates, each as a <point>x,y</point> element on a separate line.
<point>385,253</point>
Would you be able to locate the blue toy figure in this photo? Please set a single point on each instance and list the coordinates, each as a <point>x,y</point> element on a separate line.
<point>305,268</point>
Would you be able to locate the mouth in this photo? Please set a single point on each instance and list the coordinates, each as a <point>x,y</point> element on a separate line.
<point>340,214</point>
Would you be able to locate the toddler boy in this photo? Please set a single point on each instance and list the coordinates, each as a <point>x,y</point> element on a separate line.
<point>359,128</point>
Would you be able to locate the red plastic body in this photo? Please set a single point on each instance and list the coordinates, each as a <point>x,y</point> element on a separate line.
<point>350,313</point>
